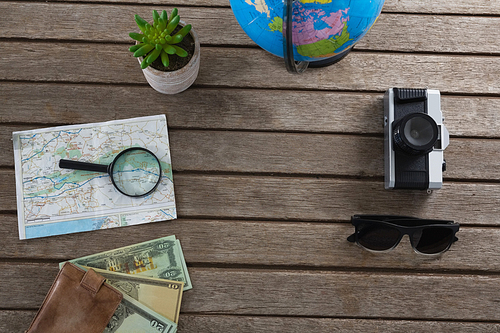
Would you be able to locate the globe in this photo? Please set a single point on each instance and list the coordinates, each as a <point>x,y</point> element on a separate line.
<point>320,31</point>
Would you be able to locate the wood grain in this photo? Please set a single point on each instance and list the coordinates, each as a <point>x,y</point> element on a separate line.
<point>321,154</point>
<point>485,7</point>
<point>172,3</point>
<point>282,244</point>
<point>269,167</point>
<point>306,154</point>
<point>244,324</point>
<point>70,62</point>
<point>113,23</point>
<point>18,321</point>
<point>314,199</point>
<point>432,33</point>
<point>472,7</point>
<point>235,109</point>
<point>300,293</point>
<point>107,23</point>
<point>325,199</point>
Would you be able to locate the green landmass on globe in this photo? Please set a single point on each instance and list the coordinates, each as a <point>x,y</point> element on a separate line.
<point>325,47</point>
<point>320,28</point>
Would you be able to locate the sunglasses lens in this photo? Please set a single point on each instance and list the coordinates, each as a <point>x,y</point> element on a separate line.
<point>377,236</point>
<point>433,240</point>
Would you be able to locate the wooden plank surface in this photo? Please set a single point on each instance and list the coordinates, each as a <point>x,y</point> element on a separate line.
<point>319,293</point>
<point>235,109</point>
<point>212,324</point>
<point>227,323</point>
<point>314,198</point>
<point>229,67</point>
<point>107,23</point>
<point>264,244</point>
<point>480,7</point>
<point>280,153</point>
<point>464,7</point>
<point>269,167</point>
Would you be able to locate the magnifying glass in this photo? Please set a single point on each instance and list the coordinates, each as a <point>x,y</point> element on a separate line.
<point>135,172</point>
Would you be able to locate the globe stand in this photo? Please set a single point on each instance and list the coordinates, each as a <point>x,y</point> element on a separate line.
<point>294,67</point>
<point>331,60</point>
<point>297,67</point>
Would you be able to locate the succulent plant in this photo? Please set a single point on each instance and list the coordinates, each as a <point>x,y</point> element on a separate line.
<point>156,40</point>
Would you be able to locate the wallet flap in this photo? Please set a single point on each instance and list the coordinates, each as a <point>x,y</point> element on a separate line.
<point>92,281</point>
<point>78,301</point>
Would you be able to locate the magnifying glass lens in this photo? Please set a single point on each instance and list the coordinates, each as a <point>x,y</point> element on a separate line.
<point>136,172</point>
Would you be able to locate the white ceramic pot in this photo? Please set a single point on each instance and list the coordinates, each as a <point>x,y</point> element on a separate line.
<point>176,81</point>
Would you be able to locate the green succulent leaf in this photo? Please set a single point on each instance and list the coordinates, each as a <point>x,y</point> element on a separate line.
<point>173,14</point>
<point>185,30</point>
<point>164,15</point>
<point>175,39</point>
<point>152,56</point>
<point>144,64</point>
<point>169,49</point>
<point>156,16</point>
<point>136,47</point>
<point>180,52</point>
<point>164,59</point>
<point>143,50</point>
<point>173,23</point>
<point>156,39</point>
<point>138,37</point>
<point>141,23</point>
<point>162,24</point>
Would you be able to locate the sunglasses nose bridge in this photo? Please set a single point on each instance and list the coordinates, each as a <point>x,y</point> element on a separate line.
<point>406,241</point>
<point>414,236</point>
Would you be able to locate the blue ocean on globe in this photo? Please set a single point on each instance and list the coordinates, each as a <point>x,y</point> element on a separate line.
<point>321,28</point>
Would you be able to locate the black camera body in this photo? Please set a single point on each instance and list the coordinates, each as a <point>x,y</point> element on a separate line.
<point>414,139</point>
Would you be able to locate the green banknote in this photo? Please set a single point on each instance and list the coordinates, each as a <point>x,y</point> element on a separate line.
<point>133,317</point>
<point>160,258</point>
<point>163,296</point>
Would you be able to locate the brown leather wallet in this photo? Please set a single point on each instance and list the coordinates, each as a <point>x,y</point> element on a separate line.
<point>78,301</point>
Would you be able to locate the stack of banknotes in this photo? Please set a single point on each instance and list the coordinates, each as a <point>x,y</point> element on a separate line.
<point>152,276</point>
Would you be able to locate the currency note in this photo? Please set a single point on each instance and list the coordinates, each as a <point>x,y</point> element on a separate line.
<point>160,258</point>
<point>163,296</point>
<point>133,317</point>
<point>180,255</point>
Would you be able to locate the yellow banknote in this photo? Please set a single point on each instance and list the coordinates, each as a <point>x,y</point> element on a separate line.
<point>162,296</point>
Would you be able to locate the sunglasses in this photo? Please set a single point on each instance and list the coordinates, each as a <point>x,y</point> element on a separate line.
<point>380,233</point>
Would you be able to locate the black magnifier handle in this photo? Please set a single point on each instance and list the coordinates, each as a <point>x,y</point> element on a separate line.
<point>75,165</point>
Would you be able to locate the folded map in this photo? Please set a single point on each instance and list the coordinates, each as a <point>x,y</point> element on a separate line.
<point>54,201</point>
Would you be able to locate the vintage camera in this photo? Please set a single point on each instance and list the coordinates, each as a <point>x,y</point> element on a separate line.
<point>414,139</point>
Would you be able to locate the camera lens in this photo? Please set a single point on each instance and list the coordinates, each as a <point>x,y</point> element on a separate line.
<point>415,134</point>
